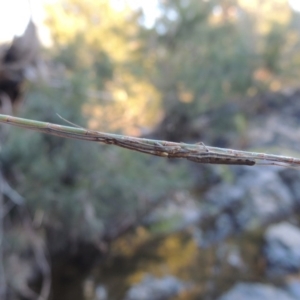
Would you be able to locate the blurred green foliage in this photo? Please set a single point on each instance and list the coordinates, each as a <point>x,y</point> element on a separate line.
<point>210,58</point>
<point>109,72</point>
<point>210,53</point>
<point>112,73</point>
<point>82,188</point>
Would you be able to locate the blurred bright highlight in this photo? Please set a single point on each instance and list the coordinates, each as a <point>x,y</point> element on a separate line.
<point>295,5</point>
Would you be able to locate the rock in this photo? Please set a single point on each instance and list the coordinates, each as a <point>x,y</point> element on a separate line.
<point>182,207</point>
<point>257,291</point>
<point>101,292</point>
<point>293,287</point>
<point>232,255</point>
<point>152,288</point>
<point>223,195</point>
<point>291,177</point>
<point>282,249</point>
<point>269,199</point>
<point>223,206</point>
<point>239,207</point>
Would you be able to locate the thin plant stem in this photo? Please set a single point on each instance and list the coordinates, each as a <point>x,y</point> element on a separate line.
<point>199,152</point>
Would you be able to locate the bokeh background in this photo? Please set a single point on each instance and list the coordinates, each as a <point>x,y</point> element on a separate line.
<point>82,221</point>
